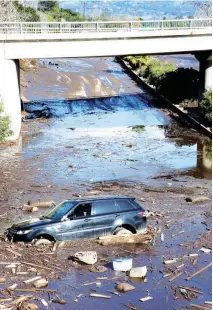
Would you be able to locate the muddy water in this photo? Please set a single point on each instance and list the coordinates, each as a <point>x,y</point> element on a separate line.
<point>104,127</point>
<point>115,131</point>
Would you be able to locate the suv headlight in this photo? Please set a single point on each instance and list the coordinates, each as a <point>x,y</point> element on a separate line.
<point>23,232</point>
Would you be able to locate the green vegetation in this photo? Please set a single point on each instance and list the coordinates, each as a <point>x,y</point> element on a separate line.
<point>175,84</point>
<point>54,13</point>
<point>27,14</point>
<point>154,71</point>
<point>206,106</point>
<point>138,128</point>
<point>178,85</point>
<point>4,125</point>
<point>47,5</point>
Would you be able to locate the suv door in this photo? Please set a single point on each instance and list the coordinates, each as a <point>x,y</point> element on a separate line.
<point>78,223</point>
<point>104,215</point>
<point>131,213</point>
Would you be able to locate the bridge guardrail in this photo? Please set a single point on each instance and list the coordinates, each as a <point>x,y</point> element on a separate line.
<point>95,27</point>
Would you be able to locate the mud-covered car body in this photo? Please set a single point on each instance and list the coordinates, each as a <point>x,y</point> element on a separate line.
<point>82,218</point>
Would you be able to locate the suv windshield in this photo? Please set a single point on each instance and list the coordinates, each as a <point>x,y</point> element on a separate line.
<point>60,210</point>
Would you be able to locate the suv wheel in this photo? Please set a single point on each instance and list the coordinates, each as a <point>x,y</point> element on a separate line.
<point>42,242</point>
<point>122,232</point>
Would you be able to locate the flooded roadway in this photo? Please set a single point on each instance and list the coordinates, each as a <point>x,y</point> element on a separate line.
<point>103,127</point>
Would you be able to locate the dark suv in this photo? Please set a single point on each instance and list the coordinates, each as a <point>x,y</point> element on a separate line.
<point>83,218</point>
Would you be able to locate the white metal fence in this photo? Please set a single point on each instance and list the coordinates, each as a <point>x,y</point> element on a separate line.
<point>95,27</point>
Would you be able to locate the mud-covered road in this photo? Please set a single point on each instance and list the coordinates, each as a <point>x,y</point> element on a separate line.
<point>106,135</point>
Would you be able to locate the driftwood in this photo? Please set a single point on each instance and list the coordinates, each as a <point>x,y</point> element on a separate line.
<point>190,289</point>
<point>100,296</point>
<point>199,307</point>
<point>175,276</point>
<point>38,266</point>
<point>27,290</point>
<point>136,239</point>
<point>198,272</point>
<point>14,252</point>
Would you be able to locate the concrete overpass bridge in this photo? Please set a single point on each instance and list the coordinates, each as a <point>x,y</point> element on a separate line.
<point>19,40</point>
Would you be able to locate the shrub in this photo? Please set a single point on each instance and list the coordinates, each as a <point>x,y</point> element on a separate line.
<point>27,14</point>
<point>4,125</point>
<point>181,84</point>
<point>206,106</point>
<point>155,71</point>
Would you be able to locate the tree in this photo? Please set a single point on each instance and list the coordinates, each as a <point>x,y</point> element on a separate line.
<point>8,12</point>
<point>203,9</point>
<point>14,11</point>
<point>47,5</point>
<point>26,13</point>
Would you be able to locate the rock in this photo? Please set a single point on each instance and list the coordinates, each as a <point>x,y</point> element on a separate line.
<point>40,283</point>
<point>89,258</point>
<point>200,199</point>
<point>29,208</point>
<point>139,272</point>
<point>2,280</point>
<point>97,269</point>
<point>197,199</point>
<point>124,287</point>
<point>29,306</point>
<point>59,301</point>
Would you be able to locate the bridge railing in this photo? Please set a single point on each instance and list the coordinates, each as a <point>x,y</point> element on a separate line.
<point>95,27</point>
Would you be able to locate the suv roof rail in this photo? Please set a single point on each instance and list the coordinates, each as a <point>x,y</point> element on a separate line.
<point>102,197</point>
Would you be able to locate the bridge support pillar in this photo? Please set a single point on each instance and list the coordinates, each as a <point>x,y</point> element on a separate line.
<point>205,59</point>
<point>10,94</point>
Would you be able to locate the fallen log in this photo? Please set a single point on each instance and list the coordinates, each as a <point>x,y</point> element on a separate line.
<point>136,239</point>
<point>42,204</point>
<point>27,290</point>
<point>198,272</point>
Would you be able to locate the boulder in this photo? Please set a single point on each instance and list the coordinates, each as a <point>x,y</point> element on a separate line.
<point>139,272</point>
<point>29,306</point>
<point>124,287</point>
<point>89,258</point>
<point>200,199</point>
<point>40,283</point>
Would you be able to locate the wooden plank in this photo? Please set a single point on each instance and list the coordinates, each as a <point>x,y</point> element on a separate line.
<point>175,276</point>
<point>191,289</point>
<point>198,272</point>
<point>38,266</point>
<point>199,307</point>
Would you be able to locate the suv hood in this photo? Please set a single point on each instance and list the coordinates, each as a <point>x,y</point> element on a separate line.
<point>31,223</point>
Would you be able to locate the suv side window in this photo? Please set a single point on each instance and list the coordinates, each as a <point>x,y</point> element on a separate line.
<point>82,210</point>
<point>104,207</point>
<point>125,205</point>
